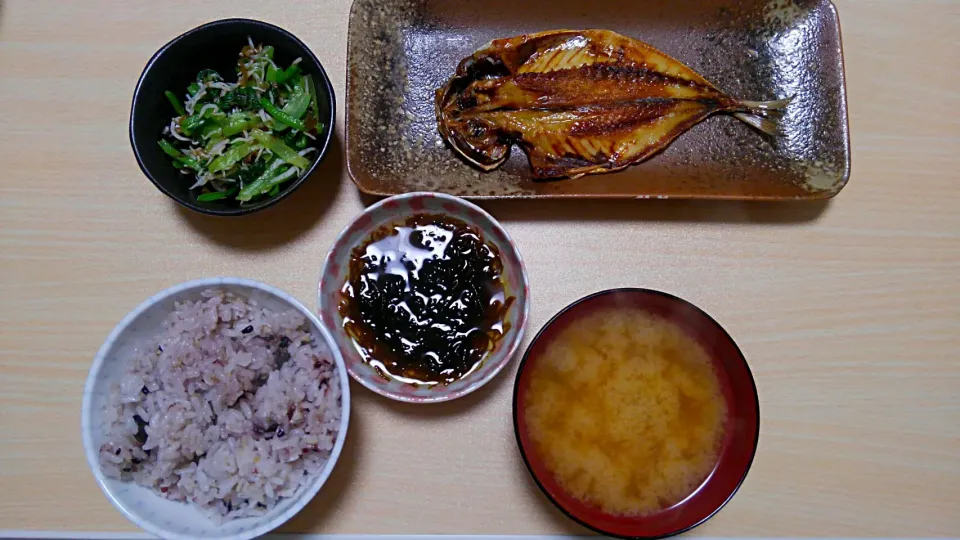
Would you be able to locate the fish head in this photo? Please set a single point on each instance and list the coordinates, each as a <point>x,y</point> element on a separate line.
<point>476,141</point>
<point>472,137</point>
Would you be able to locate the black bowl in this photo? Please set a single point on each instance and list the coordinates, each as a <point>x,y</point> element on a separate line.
<point>214,45</point>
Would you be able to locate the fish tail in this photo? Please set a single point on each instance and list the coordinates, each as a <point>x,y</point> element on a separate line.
<point>766,125</point>
<point>754,114</point>
<point>761,106</point>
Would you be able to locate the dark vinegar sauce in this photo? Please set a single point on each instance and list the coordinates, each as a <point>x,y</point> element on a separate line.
<point>424,300</point>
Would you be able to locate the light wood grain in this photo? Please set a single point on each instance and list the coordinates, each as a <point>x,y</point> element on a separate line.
<point>847,311</point>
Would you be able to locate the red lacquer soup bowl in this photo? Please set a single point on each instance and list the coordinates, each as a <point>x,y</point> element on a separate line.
<point>742,427</point>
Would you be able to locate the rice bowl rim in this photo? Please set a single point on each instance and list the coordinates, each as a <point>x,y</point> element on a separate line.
<point>303,497</point>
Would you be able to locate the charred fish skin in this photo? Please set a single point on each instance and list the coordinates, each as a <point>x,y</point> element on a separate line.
<point>578,102</point>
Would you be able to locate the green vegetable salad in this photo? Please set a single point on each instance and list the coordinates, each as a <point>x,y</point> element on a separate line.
<point>243,140</point>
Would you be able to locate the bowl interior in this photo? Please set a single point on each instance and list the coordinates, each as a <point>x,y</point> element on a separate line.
<point>213,46</point>
<point>395,210</point>
<point>141,505</point>
<point>742,429</point>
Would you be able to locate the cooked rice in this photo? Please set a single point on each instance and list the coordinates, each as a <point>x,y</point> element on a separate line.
<point>241,408</point>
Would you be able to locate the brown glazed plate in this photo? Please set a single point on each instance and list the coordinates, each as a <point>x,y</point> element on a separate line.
<point>401,51</point>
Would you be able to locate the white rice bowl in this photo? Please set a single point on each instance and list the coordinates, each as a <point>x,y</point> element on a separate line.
<point>216,409</point>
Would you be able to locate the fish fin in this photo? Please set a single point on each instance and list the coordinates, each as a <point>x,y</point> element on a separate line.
<point>775,105</point>
<point>561,51</point>
<point>477,159</point>
<point>639,52</point>
<point>545,167</point>
<point>596,169</point>
<point>558,50</point>
<point>765,125</point>
<point>755,112</point>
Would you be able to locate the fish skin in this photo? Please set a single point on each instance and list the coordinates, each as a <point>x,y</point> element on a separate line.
<point>578,102</point>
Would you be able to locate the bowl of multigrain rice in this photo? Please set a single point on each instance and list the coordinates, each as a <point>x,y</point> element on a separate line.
<point>215,409</point>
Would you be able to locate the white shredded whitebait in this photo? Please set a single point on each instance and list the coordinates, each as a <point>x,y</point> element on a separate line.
<point>219,148</point>
<point>173,127</point>
<point>192,102</point>
<point>201,181</point>
<point>254,63</point>
<point>226,87</point>
<point>208,107</point>
<point>292,171</point>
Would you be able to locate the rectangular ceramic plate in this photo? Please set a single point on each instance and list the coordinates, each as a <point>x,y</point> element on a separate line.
<point>401,51</point>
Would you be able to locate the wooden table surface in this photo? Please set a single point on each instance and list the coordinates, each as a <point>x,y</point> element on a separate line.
<point>847,311</point>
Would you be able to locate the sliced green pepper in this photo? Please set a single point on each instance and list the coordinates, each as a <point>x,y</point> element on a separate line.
<point>272,73</point>
<point>281,76</point>
<point>291,72</point>
<point>282,151</point>
<point>193,88</point>
<point>312,90</point>
<point>231,157</point>
<point>212,196</point>
<point>268,183</point>
<point>170,150</point>
<point>172,98</point>
<point>179,156</point>
<point>299,103</point>
<point>296,107</point>
<point>231,125</point>
<point>217,195</point>
<point>240,122</point>
<point>255,188</point>
<point>192,123</point>
<point>281,116</point>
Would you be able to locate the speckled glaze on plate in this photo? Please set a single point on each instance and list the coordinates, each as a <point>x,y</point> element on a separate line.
<point>401,51</point>
<point>395,210</point>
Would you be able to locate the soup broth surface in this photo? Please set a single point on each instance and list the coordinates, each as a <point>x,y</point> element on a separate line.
<point>626,411</point>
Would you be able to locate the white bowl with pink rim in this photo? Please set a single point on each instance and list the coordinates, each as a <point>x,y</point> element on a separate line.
<point>144,507</point>
<point>395,210</point>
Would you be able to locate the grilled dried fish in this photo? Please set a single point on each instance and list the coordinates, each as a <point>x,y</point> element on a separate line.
<point>578,102</point>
